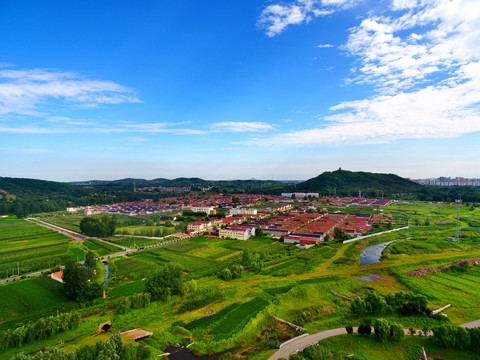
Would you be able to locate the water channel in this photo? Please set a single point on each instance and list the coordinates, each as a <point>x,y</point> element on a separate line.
<point>373,253</point>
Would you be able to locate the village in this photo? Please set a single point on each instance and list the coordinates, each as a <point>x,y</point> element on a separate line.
<point>298,218</point>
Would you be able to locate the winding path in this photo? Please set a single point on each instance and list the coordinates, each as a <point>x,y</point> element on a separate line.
<point>307,341</point>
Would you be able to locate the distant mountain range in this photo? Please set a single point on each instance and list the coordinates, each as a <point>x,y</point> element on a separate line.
<point>341,182</point>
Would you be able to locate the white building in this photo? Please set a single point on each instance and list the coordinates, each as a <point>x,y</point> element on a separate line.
<point>242,211</point>
<point>237,232</point>
<point>206,209</point>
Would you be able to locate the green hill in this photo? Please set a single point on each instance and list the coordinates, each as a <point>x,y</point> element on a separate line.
<point>27,188</point>
<point>349,183</point>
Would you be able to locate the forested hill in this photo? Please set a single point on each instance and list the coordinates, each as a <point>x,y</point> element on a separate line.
<point>349,183</point>
<point>28,188</point>
<point>28,196</point>
<point>216,185</point>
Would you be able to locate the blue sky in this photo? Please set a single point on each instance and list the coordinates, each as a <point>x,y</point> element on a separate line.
<point>239,89</point>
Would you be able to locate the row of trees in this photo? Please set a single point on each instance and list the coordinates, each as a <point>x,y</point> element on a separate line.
<point>384,330</point>
<point>113,349</point>
<point>38,330</point>
<point>136,301</point>
<point>401,302</point>
<point>98,226</point>
<point>457,337</point>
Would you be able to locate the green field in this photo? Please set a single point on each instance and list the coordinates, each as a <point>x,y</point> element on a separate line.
<point>25,300</point>
<point>29,247</point>
<point>63,219</point>
<point>101,248</point>
<point>295,285</point>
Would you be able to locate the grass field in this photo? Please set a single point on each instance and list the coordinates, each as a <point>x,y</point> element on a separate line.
<point>100,248</point>
<point>29,247</point>
<point>64,220</point>
<point>25,300</point>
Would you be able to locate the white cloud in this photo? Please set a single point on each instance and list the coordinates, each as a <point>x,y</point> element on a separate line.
<point>24,91</point>
<point>233,126</point>
<point>275,18</point>
<point>120,127</point>
<point>424,61</point>
<point>324,46</point>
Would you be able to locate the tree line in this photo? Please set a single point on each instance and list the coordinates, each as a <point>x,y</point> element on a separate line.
<point>112,349</point>
<point>39,330</point>
<point>400,302</point>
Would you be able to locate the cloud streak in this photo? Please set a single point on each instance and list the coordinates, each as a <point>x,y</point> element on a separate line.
<point>233,126</point>
<point>24,91</point>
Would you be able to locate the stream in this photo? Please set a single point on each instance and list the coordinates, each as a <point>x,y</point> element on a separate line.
<point>373,253</point>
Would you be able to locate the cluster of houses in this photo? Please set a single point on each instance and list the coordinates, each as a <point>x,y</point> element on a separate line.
<point>128,208</point>
<point>303,226</point>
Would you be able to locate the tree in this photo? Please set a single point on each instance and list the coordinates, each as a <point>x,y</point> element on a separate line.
<point>349,329</point>
<point>364,329</point>
<point>258,232</point>
<point>374,303</point>
<point>98,226</point>
<point>246,257</point>
<point>165,282</point>
<point>357,306</point>
<point>92,291</point>
<point>339,234</point>
<point>90,263</point>
<point>382,330</point>
<point>74,279</point>
<point>326,237</point>
<point>397,331</point>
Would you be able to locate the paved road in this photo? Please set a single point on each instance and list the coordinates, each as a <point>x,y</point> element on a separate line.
<point>306,341</point>
<point>27,275</point>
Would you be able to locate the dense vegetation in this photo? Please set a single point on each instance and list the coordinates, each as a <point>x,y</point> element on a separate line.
<point>348,183</point>
<point>101,226</point>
